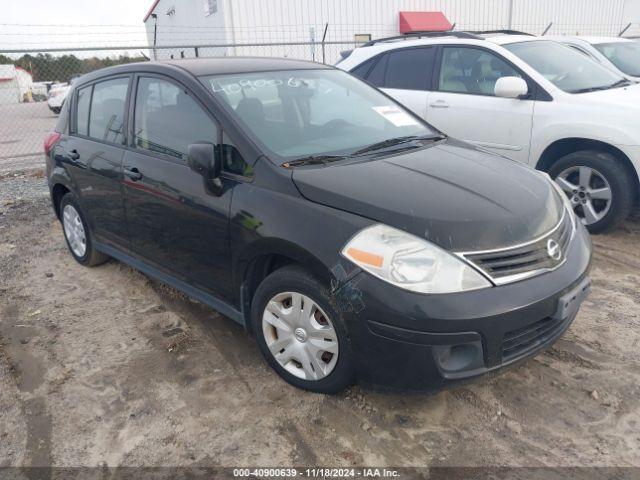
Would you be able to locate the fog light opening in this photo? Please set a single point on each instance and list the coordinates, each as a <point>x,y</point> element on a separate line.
<point>456,358</point>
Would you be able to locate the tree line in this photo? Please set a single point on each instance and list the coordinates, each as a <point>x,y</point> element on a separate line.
<point>47,67</point>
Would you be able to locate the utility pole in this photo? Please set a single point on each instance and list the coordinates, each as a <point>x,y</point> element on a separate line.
<point>155,33</point>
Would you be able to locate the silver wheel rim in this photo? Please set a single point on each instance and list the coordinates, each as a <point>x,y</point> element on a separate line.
<point>300,336</point>
<point>74,230</point>
<point>589,192</point>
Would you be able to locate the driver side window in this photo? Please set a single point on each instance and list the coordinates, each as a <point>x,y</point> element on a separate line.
<point>471,70</point>
<point>167,119</point>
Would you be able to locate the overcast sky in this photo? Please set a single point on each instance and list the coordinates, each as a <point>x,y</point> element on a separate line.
<point>62,23</point>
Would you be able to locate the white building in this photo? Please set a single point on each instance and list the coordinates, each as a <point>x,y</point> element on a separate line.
<point>186,23</point>
<point>15,84</point>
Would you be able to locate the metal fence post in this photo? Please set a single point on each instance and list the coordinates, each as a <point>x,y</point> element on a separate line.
<point>324,36</point>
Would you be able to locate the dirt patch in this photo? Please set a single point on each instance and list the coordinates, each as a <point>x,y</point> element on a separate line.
<point>103,366</point>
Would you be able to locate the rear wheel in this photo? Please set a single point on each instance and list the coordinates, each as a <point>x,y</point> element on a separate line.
<point>598,187</point>
<point>77,234</point>
<point>300,333</point>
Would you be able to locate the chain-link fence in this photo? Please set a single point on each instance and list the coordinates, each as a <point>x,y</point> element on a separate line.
<point>35,81</point>
<point>34,84</point>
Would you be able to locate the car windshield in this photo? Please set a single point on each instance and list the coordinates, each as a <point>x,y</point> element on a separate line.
<point>566,68</point>
<point>316,113</point>
<point>624,55</point>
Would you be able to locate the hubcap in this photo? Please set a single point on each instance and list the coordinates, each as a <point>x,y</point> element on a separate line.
<point>300,336</point>
<point>588,190</point>
<point>74,230</point>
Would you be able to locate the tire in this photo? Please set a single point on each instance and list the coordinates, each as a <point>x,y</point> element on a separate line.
<point>296,366</point>
<point>87,256</point>
<point>607,172</point>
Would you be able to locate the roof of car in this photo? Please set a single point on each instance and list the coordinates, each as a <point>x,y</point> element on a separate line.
<point>506,39</point>
<point>223,65</point>
<point>597,40</point>
<point>208,66</point>
<point>474,38</point>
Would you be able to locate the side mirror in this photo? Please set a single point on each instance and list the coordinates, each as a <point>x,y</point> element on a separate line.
<point>202,159</point>
<point>510,87</point>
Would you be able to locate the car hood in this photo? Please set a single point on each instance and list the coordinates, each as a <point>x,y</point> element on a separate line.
<point>614,96</point>
<point>452,194</point>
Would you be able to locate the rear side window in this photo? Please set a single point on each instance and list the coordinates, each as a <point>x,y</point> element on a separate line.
<point>377,73</point>
<point>405,69</point>
<point>362,70</point>
<point>106,117</point>
<point>168,120</point>
<point>409,69</point>
<point>82,110</point>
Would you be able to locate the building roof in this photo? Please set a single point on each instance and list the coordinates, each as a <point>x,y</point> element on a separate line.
<point>423,22</point>
<point>153,7</point>
<point>7,72</point>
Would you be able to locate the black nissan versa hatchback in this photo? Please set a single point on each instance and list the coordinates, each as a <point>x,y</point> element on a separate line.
<point>348,236</point>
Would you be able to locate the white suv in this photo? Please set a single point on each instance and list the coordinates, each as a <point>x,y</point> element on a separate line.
<point>531,99</point>
<point>622,55</point>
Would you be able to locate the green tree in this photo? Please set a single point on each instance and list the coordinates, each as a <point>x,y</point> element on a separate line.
<point>63,68</point>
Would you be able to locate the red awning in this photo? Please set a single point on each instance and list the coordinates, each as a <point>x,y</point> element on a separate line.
<point>423,22</point>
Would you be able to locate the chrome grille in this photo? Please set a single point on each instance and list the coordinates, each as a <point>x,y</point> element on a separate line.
<point>526,260</point>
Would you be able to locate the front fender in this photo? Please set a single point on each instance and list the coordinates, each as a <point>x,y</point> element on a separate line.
<point>267,222</point>
<point>554,132</point>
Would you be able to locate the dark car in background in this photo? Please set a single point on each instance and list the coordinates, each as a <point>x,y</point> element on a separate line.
<point>348,236</point>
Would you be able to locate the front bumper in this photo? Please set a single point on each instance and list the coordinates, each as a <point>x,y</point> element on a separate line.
<point>410,340</point>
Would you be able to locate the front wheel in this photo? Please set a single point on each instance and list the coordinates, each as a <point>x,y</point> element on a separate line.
<point>300,333</point>
<point>598,187</point>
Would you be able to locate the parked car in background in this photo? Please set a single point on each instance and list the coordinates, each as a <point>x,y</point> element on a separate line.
<point>40,91</point>
<point>529,98</point>
<point>320,214</point>
<point>57,95</point>
<point>621,55</point>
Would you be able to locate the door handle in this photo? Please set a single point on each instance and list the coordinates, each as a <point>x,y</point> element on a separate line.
<point>133,173</point>
<point>73,154</point>
<point>439,104</point>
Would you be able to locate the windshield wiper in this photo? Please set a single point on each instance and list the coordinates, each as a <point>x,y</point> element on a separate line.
<point>623,82</point>
<point>314,160</point>
<point>391,142</point>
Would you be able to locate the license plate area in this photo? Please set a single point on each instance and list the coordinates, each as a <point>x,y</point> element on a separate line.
<point>569,303</point>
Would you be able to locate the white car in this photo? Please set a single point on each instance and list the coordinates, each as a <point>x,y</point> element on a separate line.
<point>531,99</point>
<point>622,55</point>
<point>57,95</point>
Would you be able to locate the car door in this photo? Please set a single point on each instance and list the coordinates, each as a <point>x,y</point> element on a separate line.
<point>464,106</point>
<point>94,151</point>
<point>405,74</point>
<point>177,222</point>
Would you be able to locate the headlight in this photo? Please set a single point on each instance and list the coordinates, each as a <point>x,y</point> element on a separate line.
<point>563,196</point>
<point>411,263</point>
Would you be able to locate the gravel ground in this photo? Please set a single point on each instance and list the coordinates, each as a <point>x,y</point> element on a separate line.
<point>103,366</point>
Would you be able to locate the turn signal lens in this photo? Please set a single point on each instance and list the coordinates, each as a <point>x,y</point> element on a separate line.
<point>50,141</point>
<point>366,257</point>
<point>411,263</point>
